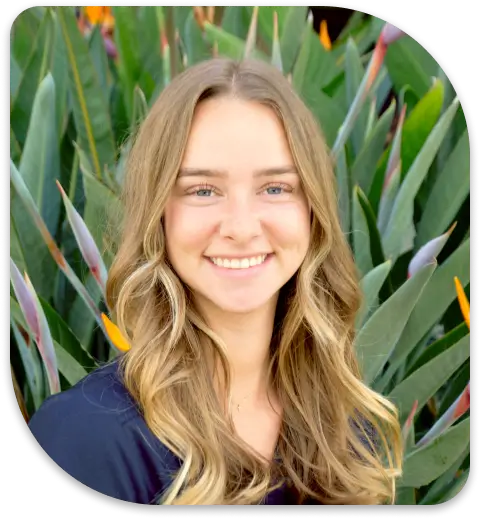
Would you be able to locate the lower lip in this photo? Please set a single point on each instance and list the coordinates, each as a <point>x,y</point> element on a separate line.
<point>241,273</point>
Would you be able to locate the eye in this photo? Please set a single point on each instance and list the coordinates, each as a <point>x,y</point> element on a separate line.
<point>203,191</point>
<point>277,189</point>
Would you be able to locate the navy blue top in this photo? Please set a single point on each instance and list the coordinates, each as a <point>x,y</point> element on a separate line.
<point>96,433</point>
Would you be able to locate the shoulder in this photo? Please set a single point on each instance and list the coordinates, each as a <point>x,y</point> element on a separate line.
<point>96,433</point>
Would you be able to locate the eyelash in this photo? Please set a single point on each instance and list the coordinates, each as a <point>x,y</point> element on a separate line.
<point>208,187</point>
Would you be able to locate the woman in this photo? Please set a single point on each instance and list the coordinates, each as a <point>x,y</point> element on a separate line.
<point>237,292</point>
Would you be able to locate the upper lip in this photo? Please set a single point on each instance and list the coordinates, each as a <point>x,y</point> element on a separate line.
<point>238,256</point>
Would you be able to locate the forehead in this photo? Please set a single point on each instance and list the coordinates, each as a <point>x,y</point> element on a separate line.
<point>233,134</point>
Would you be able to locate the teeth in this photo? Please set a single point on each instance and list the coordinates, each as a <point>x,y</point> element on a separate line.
<point>243,263</point>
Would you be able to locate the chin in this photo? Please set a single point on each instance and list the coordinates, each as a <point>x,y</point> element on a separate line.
<point>229,303</point>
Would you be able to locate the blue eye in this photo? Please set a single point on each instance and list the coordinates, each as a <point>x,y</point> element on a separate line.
<point>277,190</point>
<point>204,192</point>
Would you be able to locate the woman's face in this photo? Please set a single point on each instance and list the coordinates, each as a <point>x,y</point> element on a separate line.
<point>237,222</point>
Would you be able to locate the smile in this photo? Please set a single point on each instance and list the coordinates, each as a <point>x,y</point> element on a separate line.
<point>239,263</point>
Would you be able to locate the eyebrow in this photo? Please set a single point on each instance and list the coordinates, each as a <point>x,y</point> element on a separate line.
<point>215,173</point>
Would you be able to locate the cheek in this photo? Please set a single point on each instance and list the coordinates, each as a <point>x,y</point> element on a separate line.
<point>292,226</point>
<point>185,228</point>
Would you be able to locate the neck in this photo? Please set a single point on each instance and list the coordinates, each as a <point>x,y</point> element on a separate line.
<point>247,337</point>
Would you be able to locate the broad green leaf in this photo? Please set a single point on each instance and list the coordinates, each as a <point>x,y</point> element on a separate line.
<point>366,161</point>
<point>61,333</point>
<point>370,286</point>
<point>455,488</point>
<point>405,496</point>
<point>37,67</point>
<point>291,23</point>
<point>418,126</point>
<point>90,112</point>
<point>197,48</point>
<point>438,488</point>
<point>30,361</point>
<point>375,240</point>
<point>102,209</point>
<point>361,236</point>
<point>378,337</point>
<point>16,252</point>
<point>327,112</point>
<point>429,378</point>
<point>439,346</point>
<point>424,465</point>
<point>449,192</point>
<point>409,64</point>
<point>23,33</point>
<point>354,73</point>
<point>40,163</point>
<point>80,319</point>
<point>229,46</point>
<point>68,366</point>
<point>434,301</point>
<point>236,20</point>
<point>59,70</point>
<point>454,389</point>
<point>314,67</point>
<point>96,49</point>
<point>15,76</point>
<point>150,50</point>
<point>342,176</point>
<point>402,211</point>
<point>127,39</point>
<point>30,246</point>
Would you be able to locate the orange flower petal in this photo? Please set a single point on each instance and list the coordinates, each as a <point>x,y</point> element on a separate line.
<point>463,301</point>
<point>94,14</point>
<point>115,334</point>
<point>323,35</point>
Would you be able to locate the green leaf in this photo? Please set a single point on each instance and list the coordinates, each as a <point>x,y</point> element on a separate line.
<point>35,70</point>
<point>405,496</point>
<point>367,159</point>
<point>428,379</point>
<point>376,250</point>
<point>64,336</point>
<point>342,176</point>
<point>438,488</point>
<point>90,112</point>
<point>434,301</point>
<point>15,76</point>
<point>401,217</point>
<point>229,46</point>
<point>314,67</point>
<point>361,236</point>
<point>30,246</point>
<point>354,73</point>
<point>370,286</point>
<point>197,48</point>
<point>378,337</point>
<point>24,31</point>
<point>418,126</point>
<point>424,465</point>
<point>409,64</point>
<point>102,209</point>
<point>127,39</point>
<point>68,366</point>
<point>40,163</point>
<point>439,346</point>
<point>455,488</point>
<point>454,388</point>
<point>59,70</point>
<point>236,20</point>
<point>96,48</point>
<point>31,362</point>
<point>448,194</point>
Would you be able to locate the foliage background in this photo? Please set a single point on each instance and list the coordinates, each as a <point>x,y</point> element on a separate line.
<point>83,79</point>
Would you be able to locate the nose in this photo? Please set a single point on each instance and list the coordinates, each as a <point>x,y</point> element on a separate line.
<point>240,222</point>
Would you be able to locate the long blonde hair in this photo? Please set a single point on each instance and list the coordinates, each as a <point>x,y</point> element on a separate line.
<point>339,441</point>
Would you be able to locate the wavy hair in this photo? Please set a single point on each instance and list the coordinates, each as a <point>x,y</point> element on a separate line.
<point>339,441</point>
